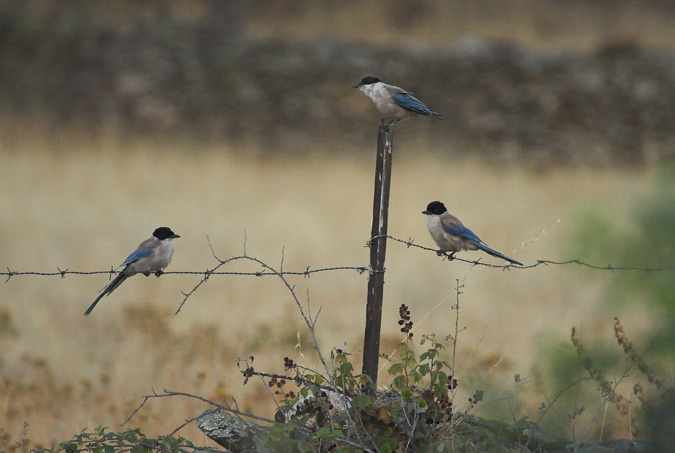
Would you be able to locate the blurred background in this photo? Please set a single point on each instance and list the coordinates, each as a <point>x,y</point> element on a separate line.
<point>236,120</point>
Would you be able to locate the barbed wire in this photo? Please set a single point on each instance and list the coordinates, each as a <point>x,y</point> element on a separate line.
<point>112,272</point>
<point>409,243</point>
<point>450,256</point>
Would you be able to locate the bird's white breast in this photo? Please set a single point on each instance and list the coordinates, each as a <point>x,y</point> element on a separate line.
<point>444,240</point>
<point>375,91</point>
<point>160,258</point>
<point>164,252</point>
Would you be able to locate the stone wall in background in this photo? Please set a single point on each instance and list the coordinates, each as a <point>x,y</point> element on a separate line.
<point>202,81</point>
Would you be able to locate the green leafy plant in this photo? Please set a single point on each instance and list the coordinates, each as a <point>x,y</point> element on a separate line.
<point>103,441</point>
<point>426,381</point>
<point>343,412</point>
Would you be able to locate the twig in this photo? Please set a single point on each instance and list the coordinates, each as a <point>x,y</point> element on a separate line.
<point>269,389</point>
<point>183,425</point>
<point>294,378</point>
<point>458,291</point>
<point>604,401</point>
<point>168,393</point>
<point>545,411</point>
<point>267,270</point>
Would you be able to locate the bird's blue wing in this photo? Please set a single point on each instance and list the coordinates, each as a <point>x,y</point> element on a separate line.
<point>410,102</point>
<point>461,231</point>
<point>137,255</point>
<point>466,234</point>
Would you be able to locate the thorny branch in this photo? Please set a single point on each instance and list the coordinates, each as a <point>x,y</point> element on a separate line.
<point>169,393</point>
<point>298,379</point>
<point>267,270</point>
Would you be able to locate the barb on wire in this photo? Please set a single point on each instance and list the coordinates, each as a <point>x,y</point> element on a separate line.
<point>411,243</point>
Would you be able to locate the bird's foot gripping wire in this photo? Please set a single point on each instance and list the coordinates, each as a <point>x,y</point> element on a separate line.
<point>448,256</point>
<point>158,273</point>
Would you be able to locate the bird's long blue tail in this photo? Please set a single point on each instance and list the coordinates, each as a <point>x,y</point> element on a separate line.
<point>489,251</point>
<point>108,289</point>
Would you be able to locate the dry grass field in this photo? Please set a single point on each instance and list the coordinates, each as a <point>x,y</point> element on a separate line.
<point>85,206</point>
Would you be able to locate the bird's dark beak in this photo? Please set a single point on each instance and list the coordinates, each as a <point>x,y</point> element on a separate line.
<point>174,236</point>
<point>358,85</point>
<point>426,212</point>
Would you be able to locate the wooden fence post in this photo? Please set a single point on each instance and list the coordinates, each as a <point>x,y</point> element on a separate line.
<point>378,248</point>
